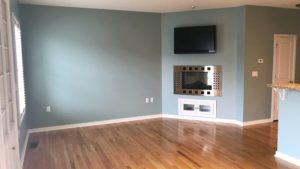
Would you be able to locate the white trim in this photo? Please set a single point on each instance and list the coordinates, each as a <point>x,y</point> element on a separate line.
<point>287,158</point>
<point>24,149</point>
<point>255,122</point>
<point>137,118</point>
<point>217,120</point>
<point>70,126</point>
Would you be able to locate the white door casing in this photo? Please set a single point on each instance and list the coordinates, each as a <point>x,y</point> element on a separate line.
<point>284,60</point>
<point>9,146</point>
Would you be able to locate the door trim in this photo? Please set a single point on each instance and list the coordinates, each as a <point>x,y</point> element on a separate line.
<point>294,36</point>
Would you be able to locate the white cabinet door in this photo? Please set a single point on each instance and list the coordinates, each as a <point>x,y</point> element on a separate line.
<point>197,108</point>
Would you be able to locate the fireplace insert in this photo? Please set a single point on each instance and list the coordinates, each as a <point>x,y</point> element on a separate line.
<point>198,80</point>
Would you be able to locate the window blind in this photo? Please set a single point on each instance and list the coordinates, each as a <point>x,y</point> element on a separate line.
<point>19,71</point>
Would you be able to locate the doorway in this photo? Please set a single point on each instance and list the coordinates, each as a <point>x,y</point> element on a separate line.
<point>284,63</point>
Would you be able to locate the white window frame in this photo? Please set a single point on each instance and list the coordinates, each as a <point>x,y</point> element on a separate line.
<point>16,47</point>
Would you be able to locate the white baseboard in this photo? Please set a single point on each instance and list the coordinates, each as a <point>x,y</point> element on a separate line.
<point>217,120</point>
<point>255,122</point>
<point>287,158</point>
<point>24,149</point>
<point>69,126</point>
<point>88,124</point>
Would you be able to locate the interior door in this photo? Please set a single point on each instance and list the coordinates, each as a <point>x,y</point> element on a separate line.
<point>9,148</point>
<point>284,60</point>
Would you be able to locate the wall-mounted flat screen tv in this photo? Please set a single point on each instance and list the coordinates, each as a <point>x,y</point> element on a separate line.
<point>196,39</point>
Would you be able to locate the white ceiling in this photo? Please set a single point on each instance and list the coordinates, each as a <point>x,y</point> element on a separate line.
<point>161,6</point>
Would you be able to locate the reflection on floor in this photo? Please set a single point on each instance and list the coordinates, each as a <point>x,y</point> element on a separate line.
<point>158,144</point>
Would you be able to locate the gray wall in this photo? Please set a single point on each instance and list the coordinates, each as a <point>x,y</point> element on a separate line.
<point>230,38</point>
<point>241,64</point>
<point>261,25</point>
<point>90,65</point>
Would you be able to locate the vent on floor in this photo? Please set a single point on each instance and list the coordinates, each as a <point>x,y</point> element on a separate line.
<point>33,145</point>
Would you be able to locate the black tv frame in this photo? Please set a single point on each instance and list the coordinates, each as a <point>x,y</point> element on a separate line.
<point>211,51</point>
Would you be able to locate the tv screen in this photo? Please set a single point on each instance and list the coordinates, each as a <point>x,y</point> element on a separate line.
<point>197,39</point>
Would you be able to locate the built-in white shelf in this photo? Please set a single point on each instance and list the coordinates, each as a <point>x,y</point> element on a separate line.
<point>198,108</point>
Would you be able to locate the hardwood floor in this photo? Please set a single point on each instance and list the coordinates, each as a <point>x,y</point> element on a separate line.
<point>158,144</point>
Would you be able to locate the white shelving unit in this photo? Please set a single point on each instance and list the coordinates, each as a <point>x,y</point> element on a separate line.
<point>198,108</point>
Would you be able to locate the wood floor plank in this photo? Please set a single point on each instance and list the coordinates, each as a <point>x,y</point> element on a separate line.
<point>157,144</point>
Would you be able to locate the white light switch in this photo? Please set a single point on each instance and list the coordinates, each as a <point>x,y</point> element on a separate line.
<point>48,109</point>
<point>147,100</point>
<point>254,73</point>
<point>151,99</point>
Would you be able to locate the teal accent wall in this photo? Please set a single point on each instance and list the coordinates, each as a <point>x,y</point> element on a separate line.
<point>261,25</point>
<point>230,55</point>
<point>90,65</point>
<point>289,126</point>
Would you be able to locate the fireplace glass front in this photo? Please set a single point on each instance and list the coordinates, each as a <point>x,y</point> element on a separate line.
<point>195,80</point>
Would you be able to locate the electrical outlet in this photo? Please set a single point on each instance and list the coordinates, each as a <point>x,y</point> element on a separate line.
<point>254,73</point>
<point>151,99</point>
<point>48,109</point>
<point>147,100</point>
